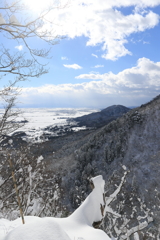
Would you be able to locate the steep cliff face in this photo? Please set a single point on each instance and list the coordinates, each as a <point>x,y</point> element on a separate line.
<point>132,144</point>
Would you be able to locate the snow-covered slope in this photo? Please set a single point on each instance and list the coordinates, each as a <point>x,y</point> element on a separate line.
<point>78,226</point>
<point>38,229</point>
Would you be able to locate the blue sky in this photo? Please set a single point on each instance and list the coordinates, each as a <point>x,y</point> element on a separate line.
<point>111,55</point>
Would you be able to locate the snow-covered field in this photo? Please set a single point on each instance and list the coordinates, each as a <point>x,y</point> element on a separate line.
<point>43,117</point>
<point>40,118</point>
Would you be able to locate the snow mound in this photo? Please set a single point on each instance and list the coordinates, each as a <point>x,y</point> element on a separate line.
<point>78,226</point>
<point>38,229</point>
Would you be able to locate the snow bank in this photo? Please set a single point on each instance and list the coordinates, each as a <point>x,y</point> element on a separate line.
<point>90,211</point>
<point>38,229</point>
<point>78,226</point>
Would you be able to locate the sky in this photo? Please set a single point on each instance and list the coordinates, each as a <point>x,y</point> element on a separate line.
<point>110,55</point>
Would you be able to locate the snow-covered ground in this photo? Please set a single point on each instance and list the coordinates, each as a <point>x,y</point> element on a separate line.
<point>78,226</point>
<point>43,117</point>
<point>39,118</point>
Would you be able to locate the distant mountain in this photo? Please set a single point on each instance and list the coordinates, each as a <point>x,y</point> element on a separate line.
<point>99,119</point>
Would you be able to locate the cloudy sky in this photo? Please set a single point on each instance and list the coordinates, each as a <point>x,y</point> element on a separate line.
<point>111,55</point>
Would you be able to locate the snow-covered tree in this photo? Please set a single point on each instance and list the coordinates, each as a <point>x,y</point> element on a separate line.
<point>38,189</point>
<point>79,225</point>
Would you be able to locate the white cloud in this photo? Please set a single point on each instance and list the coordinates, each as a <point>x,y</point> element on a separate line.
<point>74,66</point>
<point>104,25</point>
<point>14,20</point>
<point>144,75</point>
<point>144,42</point>
<point>130,87</point>
<point>98,66</point>
<point>94,55</point>
<point>64,58</point>
<point>2,21</point>
<point>89,76</point>
<point>20,47</point>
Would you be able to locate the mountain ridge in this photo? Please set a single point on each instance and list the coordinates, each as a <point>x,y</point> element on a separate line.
<point>99,119</point>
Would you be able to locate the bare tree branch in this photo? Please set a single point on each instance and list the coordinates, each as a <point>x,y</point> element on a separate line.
<point>17,25</point>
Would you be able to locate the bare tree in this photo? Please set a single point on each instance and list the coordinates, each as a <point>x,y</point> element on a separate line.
<point>18,26</point>
<point>16,66</point>
<point>37,189</point>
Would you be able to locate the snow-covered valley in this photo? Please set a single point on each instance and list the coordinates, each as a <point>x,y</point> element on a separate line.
<point>45,121</point>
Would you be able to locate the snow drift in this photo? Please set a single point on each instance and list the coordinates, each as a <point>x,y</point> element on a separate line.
<point>78,226</point>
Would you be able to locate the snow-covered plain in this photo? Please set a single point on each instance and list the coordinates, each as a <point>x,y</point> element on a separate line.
<point>43,117</point>
<point>40,118</point>
<point>78,226</point>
